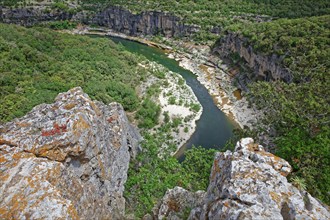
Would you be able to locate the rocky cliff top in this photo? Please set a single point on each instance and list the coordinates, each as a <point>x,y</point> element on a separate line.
<point>66,160</point>
<point>248,183</point>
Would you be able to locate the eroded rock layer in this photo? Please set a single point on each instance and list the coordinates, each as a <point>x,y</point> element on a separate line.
<point>66,160</point>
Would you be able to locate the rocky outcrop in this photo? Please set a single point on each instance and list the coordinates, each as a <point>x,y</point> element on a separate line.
<point>264,67</point>
<point>66,160</point>
<point>145,23</point>
<point>31,16</point>
<point>251,183</point>
<point>248,183</point>
<point>177,203</point>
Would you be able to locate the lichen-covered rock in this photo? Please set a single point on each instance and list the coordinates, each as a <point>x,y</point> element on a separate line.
<point>66,160</point>
<point>251,183</point>
<point>177,203</point>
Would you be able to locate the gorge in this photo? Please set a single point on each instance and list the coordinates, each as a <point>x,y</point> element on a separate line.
<point>82,158</point>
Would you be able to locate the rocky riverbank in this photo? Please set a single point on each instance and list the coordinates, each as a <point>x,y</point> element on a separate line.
<point>179,105</point>
<point>216,76</point>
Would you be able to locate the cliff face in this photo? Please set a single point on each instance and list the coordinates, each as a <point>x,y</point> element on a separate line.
<point>264,67</point>
<point>31,16</point>
<point>113,17</point>
<point>66,160</point>
<point>248,183</point>
<point>145,23</point>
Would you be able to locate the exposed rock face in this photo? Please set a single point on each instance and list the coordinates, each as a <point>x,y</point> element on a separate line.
<point>145,23</point>
<point>31,16</point>
<point>66,160</point>
<point>114,17</point>
<point>265,67</point>
<point>251,183</point>
<point>177,203</point>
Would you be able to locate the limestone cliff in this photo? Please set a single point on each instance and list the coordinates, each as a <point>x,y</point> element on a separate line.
<point>113,17</point>
<point>145,23</point>
<point>264,67</point>
<point>248,183</point>
<point>66,160</point>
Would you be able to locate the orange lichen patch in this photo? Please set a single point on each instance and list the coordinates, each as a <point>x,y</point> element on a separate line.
<point>95,108</point>
<point>17,205</point>
<point>69,106</point>
<point>80,124</point>
<point>21,155</point>
<point>51,152</point>
<point>9,143</point>
<point>73,212</point>
<point>216,169</point>
<point>275,197</point>
<point>4,213</point>
<point>23,124</point>
<point>253,147</point>
<point>3,178</point>
<point>3,159</point>
<point>238,94</point>
<point>226,203</point>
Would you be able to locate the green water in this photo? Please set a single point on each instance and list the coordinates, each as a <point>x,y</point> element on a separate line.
<point>214,128</point>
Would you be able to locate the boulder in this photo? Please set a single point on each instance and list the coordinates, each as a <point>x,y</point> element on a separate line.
<point>66,160</point>
<point>251,183</point>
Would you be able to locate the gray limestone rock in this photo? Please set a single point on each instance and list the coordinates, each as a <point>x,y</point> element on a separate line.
<point>251,183</point>
<point>177,203</point>
<point>265,67</point>
<point>66,160</point>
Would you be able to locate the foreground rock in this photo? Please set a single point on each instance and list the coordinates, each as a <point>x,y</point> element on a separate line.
<point>66,160</point>
<point>251,183</point>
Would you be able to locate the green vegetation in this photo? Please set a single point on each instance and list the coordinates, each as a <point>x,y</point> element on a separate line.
<point>210,13</point>
<point>148,114</point>
<point>60,25</point>
<point>36,64</point>
<point>303,43</point>
<point>149,176</point>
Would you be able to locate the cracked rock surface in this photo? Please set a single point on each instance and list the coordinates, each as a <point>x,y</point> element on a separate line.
<point>66,160</point>
<point>251,183</point>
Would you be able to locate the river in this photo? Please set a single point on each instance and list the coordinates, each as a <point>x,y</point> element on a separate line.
<point>213,128</point>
